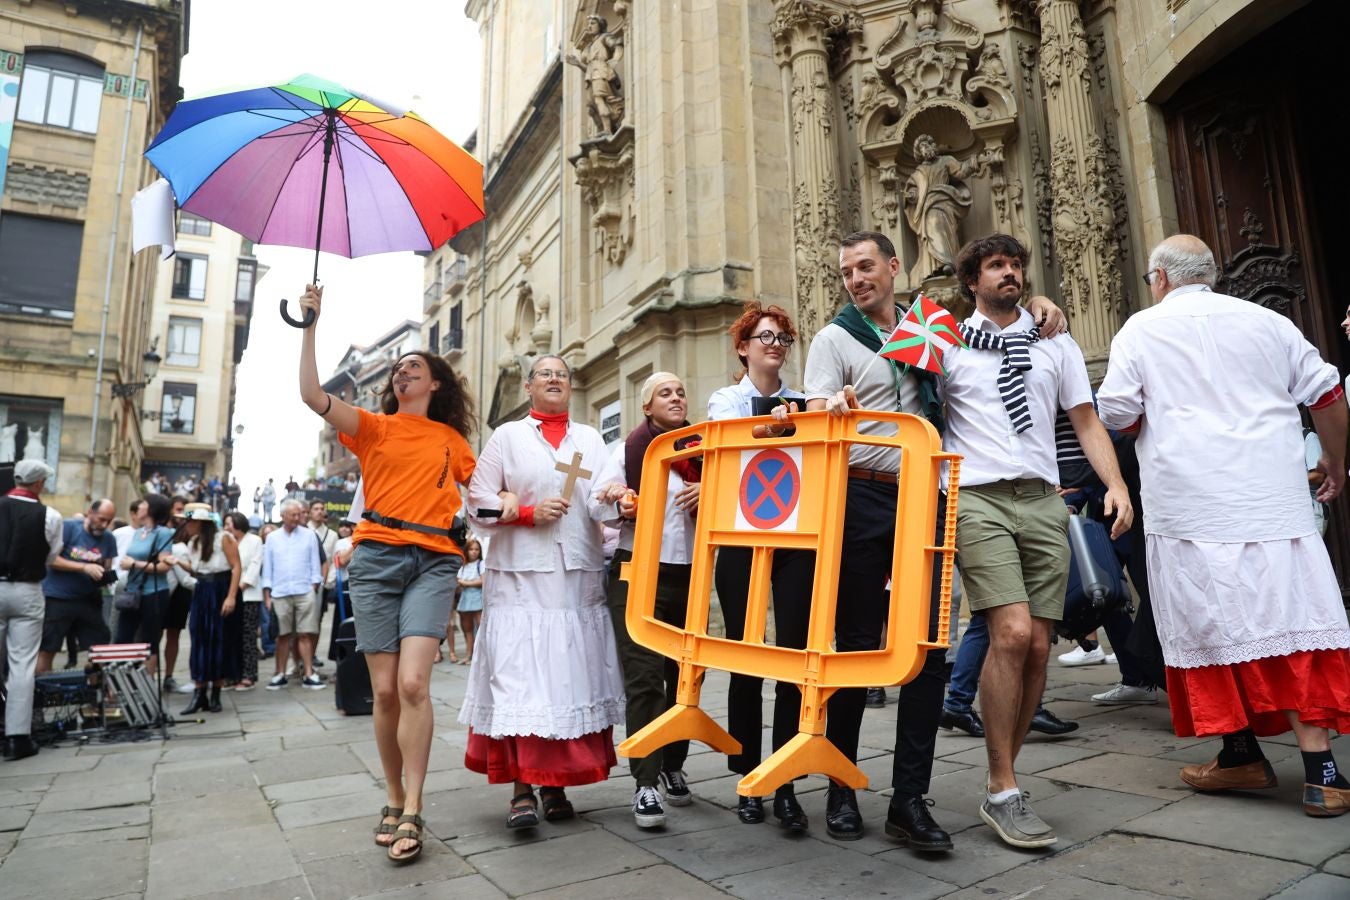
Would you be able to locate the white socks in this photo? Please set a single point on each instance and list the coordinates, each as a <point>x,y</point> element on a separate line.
<point>1003,796</point>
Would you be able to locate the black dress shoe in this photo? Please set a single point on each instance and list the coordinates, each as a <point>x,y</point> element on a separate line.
<point>20,746</point>
<point>969,722</point>
<point>750,810</point>
<point>876,698</point>
<point>843,822</point>
<point>1047,722</point>
<point>910,822</point>
<point>789,813</point>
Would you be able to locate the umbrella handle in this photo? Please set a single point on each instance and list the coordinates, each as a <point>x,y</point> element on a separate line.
<point>296,323</point>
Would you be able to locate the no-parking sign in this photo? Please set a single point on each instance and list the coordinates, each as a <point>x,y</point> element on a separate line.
<point>770,489</point>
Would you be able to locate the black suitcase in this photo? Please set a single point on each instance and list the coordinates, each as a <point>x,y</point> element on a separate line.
<point>354,695</point>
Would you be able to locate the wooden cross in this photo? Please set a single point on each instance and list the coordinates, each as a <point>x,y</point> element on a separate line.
<point>573,471</point>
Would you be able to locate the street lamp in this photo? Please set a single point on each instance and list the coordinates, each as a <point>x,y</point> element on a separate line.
<point>176,421</point>
<point>150,361</point>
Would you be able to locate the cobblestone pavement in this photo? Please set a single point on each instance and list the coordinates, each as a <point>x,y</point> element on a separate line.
<point>275,798</point>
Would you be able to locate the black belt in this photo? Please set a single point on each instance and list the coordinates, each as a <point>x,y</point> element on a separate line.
<point>456,532</point>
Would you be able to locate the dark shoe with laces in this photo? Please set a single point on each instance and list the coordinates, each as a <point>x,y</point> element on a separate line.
<point>843,822</point>
<point>750,810</point>
<point>968,721</point>
<point>910,822</point>
<point>676,787</point>
<point>1047,722</point>
<point>876,698</point>
<point>789,813</point>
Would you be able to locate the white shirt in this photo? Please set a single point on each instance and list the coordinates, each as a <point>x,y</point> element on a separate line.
<point>733,401</point>
<point>1218,382</point>
<point>677,531</point>
<point>250,567</point>
<point>518,459</point>
<point>123,538</point>
<point>835,359</point>
<point>978,426</point>
<point>328,540</point>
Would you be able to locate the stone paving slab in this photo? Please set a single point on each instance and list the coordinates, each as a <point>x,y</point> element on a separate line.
<point>1036,755</point>
<point>1035,880</point>
<point>38,870</point>
<point>1317,887</point>
<point>177,819</point>
<point>329,809</point>
<point>465,887</point>
<point>564,861</point>
<point>202,777</point>
<point>115,794</point>
<point>230,860</point>
<point>1175,869</point>
<point>46,824</point>
<point>275,799</point>
<point>651,882</point>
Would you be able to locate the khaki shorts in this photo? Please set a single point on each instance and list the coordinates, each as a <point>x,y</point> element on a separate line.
<point>1013,540</point>
<point>296,614</point>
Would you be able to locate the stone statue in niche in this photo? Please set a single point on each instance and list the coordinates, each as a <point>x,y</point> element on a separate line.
<point>597,55</point>
<point>9,435</point>
<point>937,198</point>
<point>34,448</point>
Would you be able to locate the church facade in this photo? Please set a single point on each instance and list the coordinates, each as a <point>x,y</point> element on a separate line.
<point>650,166</point>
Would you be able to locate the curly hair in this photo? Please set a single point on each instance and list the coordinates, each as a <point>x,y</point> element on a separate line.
<point>742,329</point>
<point>451,404</point>
<point>973,255</point>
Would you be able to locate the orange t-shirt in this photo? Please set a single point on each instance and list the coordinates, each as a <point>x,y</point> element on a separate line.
<point>411,466</point>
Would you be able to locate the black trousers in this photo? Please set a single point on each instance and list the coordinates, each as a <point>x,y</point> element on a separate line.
<point>650,680</point>
<point>791,579</point>
<point>869,547</point>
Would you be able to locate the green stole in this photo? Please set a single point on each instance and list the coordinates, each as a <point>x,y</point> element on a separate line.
<point>930,404</point>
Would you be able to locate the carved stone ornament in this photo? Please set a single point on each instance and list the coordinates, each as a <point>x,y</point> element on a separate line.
<point>598,51</point>
<point>934,61</point>
<point>605,175</point>
<point>802,25</point>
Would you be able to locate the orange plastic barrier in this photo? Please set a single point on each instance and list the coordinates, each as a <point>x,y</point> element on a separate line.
<point>755,494</point>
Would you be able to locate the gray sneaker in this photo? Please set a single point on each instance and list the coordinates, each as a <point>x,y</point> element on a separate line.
<point>1127,693</point>
<point>1016,824</point>
<point>170,685</point>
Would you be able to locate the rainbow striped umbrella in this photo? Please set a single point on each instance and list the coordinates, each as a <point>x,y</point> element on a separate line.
<point>313,164</point>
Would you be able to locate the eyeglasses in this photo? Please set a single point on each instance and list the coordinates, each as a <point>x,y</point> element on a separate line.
<point>1149,276</point>
<point>783,339</point>
<point>550,374</point>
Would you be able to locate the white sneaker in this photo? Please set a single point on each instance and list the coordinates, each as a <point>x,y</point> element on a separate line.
<point>1080,657</point>
<point>1110,659</point>
<point>1125,693</point>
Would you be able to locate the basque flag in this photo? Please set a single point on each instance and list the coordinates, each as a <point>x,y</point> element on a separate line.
<point>925,331</point>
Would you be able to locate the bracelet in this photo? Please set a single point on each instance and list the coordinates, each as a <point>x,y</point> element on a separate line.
<point>328,407</point>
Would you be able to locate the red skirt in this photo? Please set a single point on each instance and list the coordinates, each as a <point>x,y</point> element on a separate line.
<point>1216,700</point>
<point>542,761</point>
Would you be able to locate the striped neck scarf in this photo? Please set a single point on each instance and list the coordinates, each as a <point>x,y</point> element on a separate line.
<point>1016,349</point>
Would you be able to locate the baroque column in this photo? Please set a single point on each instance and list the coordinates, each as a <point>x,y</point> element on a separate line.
<point>803,32</point>
<point>1087,245</point>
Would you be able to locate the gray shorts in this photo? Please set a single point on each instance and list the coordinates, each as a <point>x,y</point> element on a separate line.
<point>399,592</point>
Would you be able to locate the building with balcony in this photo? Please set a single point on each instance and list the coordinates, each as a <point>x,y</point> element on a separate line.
<point>200,324</point>
<point>84,86</point>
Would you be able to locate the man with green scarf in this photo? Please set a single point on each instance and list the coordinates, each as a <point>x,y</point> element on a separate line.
<point>840,375</point>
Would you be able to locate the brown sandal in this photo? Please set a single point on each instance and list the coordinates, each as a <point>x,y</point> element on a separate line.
<point>556,805</point>
<point>388,812</point>
<point>405,832</point>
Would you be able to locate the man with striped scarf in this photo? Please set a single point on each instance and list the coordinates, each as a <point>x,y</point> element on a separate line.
<point>1003,393</point>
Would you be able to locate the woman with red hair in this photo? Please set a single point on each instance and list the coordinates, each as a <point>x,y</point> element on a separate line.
<point>762,338</point>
